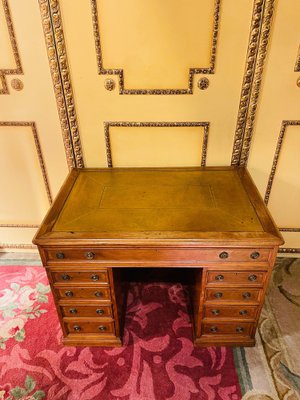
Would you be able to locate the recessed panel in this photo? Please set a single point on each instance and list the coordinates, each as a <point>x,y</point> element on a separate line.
<point>23,192</point>
<point>285,191</point>
<point>155,42</point>
<point>156,146</point>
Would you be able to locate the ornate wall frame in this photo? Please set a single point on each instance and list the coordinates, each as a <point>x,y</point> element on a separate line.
<point>120,72</point>
<point>13,71</point>
<point>42,166</point>
<point>272,176</point>
<point>127,124</point>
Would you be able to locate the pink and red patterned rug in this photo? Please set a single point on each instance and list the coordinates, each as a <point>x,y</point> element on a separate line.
<point>157,362</point>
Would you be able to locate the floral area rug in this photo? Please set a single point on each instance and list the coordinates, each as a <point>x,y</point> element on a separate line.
<point>157,362</point>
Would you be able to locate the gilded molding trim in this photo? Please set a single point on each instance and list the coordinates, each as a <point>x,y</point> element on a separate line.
<point>276,156</point>
<point>289,229</point>
<point>293,250</point>
<point>17,246</point>
<point>19,226</point>
<point>297,65</point>
<point>18,70</point>
<point>256,54</point>
<point>120,72</point>
<point>38,150</point>
<point>56,49</point>
<point>127,124</point>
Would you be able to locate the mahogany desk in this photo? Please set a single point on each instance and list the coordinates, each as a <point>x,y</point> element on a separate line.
<point>209,219</point>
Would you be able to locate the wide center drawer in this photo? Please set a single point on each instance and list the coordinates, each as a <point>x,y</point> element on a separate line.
<point>179,255</point>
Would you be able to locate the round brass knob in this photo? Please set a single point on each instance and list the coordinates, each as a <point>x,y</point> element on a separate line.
<point>246,295</point>
<point>243,312</point>
<point>102,328</point>
<point>65,277</point>
<point>223,255</point>
<point>100,311</point>
<point>219,278</point>
<point>215,312</point>
<point>68,293</point>
<point>95,277</point>
<point>77,328</point>
<point>60,255</point>
<point>214,329</point>
<point>73,311</point>
<point>239,329</point>
<point>252,278</point>
<point>98,294</point>
<point>89,255</point>
<point>254,255</point>
<point>218,295</point>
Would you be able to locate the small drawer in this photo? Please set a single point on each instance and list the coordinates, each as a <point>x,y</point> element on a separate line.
<point>222,328</point>
<point>235,277</point>
<point>86,311</point>
<point>238,312</point>
<point>64,276</point>
<point>225,294</point>
<point>83,326</point>
<point>87,293</point>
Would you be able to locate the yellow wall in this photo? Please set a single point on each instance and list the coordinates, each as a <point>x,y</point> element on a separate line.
<point>146,83</point>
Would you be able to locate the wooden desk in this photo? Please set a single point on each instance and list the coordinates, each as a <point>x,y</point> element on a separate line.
<point>209,219</point>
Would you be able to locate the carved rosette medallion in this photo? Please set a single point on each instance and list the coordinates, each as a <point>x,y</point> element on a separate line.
<point>109,84</point>
<point>203,83</point>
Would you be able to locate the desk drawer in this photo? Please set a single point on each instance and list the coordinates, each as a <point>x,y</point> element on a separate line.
<point>87,293</point>
<point>236,277</point>
<point>86,311</point>
<point>178,255</point>
<point>240,295</point>
<point>65,275</point>
<point>84,326</point>
<point>221,328</point>
<point>237,312</point>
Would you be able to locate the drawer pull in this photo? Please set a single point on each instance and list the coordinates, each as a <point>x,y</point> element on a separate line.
<point>252,278</point>
<point>102,328</point>
<point>77,328</point>
<point>60,255</point>
<point>243,312</point>
<point>224,254</point>
<point>215,312</point>
<point>98,294</point>
<point>89,255</point>
<point>73,311</point>
<point>239,329</point>
<point>214,329</point>
<point>100,311</point>
<point>218,295</point>
<point>68,293</point>
<point>254,255</point>
<point>219,278</point>
<point>95,278</point>
<point>246,295</point>
<point>65,277</point>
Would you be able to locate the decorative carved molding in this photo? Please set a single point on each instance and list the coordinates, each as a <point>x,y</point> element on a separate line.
<point>39,154</point>
<point>120,72</point>
<point>12,38</point>
<point>55,43</point>
<point>276,156</point>
<point>126,124</point>
<point>256,54</point>
<point>297,65</point>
